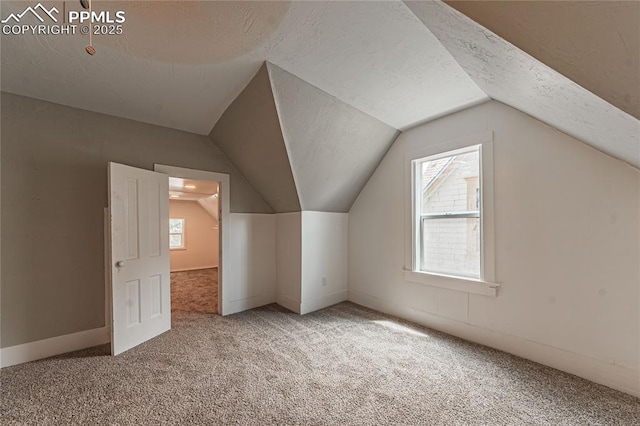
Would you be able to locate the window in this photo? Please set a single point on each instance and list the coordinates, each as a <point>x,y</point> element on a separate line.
<point>176,234</point>
<point>450,216</point>
<point>448,213</point>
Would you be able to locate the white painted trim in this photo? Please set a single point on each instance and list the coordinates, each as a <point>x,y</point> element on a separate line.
<point>289,303</point>
<point>323,302</point>
<point>108,313</point>
<point>487,233</point>
<point>223,220</point>
<point>487,228</point>
<point>241,305</point>
<point>197,268</point>
<point>624,379</point>
<point>40,349</point>
<point>468,285</point>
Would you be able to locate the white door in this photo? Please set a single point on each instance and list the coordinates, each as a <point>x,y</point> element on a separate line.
<point>140,291</point>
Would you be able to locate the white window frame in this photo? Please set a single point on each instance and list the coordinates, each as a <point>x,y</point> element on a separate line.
<point>184,232</point>
<point>419,216</point>
<point>485,284</point>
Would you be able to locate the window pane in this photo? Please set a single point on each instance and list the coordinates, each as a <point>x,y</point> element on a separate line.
<point>175,240</point>
<point>451,246</point>
<point>451,184</point>
<point>176,226</point>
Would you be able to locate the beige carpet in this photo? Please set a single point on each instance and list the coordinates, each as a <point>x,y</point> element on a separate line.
<point>195,291</point>
<point>345,365</point>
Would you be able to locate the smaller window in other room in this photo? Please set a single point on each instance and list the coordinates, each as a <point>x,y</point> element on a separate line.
<point>448,212</point>
<point>176,234</point>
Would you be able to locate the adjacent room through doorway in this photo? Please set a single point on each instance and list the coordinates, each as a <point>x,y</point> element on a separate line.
<point>194,245</point>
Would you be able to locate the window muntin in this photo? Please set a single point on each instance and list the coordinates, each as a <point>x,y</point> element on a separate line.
<point>176,233</point>
<point>448,213</point>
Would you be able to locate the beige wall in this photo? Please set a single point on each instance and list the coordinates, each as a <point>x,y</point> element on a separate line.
<point>54,191</point>
<point>200,237</point>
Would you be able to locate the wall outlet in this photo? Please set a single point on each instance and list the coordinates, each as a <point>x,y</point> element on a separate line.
<point>324,282</point>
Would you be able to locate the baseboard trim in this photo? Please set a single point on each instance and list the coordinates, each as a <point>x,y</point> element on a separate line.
<point>289,303</point>
<point>621,378</point>
<point>307,307</point>
<point>194,269</point>
<point>235,306</point>
<point>33,351</point>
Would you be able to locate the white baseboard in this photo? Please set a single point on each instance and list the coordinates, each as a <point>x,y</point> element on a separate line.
<point>323,302</point>
<point>197,268</point>
<point>288,303</point>
<point>32,351</point>
<point>235,306</point>
<point>624,379</point>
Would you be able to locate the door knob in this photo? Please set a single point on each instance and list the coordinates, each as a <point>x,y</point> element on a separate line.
<point>119,263</point>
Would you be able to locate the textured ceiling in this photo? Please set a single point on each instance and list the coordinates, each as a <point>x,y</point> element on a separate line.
<point>300,147</point>
<point>128,77</point>
<point>375,56</point>
<point>333,147</point>
<point>249,134</point>
<point>594,43</point>
<point>180,64</point>
<point>215,31</point>
<point>513,77</point>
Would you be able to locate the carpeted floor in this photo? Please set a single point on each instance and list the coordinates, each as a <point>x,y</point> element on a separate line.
<point>195,291</point>
<point>345,365</point>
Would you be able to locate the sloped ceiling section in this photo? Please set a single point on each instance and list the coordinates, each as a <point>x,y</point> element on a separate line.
<point>180,64</point>
<point>249,134</point>
<point>594,43</point>
<point>374,55</point>
<point>509,75</point>
<point>333,147</point>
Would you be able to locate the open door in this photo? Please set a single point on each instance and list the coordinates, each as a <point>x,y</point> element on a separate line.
<point>140,280</point>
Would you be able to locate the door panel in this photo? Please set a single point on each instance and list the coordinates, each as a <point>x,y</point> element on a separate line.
<point>139,227</point>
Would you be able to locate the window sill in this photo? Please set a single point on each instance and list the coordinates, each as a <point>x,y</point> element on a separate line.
<point>468,285</point>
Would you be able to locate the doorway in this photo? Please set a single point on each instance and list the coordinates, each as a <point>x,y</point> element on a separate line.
<point>137,237</point>
<point>219,181</point>
<point>194,245</point>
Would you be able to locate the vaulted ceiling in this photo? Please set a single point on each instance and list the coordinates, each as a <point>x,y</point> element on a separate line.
<point>511,76</point>
<point>306,97</point>
<point>181,63</point>
<point>333,147</point>
<point>249,133</point>
<point>594,43</point>
<point>302,148</point>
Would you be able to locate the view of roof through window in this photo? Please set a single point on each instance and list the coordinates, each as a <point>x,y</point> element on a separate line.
<point>450,211</point>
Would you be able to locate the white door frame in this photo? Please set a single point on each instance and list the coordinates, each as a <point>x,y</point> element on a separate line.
<point>223,220</point>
